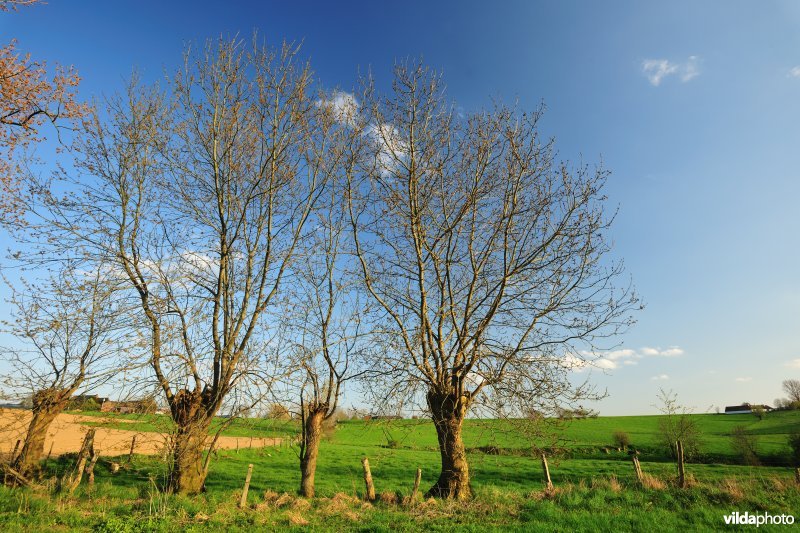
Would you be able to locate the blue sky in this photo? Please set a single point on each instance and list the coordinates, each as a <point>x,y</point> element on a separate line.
<point>694,107</point>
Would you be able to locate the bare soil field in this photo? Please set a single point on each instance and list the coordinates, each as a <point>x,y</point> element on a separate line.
<point>68,430</point>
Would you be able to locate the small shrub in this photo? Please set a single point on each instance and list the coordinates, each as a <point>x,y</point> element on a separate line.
<point>621,439</point>
<point>677,424</point>
<point>744,445</point>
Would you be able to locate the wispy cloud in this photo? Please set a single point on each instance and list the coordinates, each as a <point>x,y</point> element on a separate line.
<point>744,380</point>
<point>657,69</point>
<point>794,72</point>
<point>627,356</point>
<point>672,351</point>
<point>660,377</point>
<point>794,363</point>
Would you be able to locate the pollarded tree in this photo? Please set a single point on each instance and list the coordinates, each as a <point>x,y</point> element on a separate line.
<point>327,310</point>
<point>485,255</point>
<point>200,196</point>
<point>71,335</point>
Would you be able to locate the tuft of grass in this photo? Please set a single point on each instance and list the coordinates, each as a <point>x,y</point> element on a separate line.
<point>730,486</point>
<point>651,482</point>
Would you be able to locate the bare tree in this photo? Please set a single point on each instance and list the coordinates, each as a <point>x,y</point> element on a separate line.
<point>677,424</point>
<point>485,256</point>
<point>71,336</point>
<point>792,388</point>
<point>327,309</point>
<point>200,197</point>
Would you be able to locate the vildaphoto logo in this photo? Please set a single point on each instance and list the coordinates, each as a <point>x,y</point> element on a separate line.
<point>757,519</point>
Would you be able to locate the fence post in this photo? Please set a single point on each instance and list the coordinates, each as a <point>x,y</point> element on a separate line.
<point>133,447</point>
<point>681,470</point>
<point>417,480</point>
<point>548,482</point>
<point>246,489</point>
<point>370,496</point>
<point>90,468</point>
<point>638,468</point>
<point>51,450</point>
<point>87,450</point>
<point>797,475</point>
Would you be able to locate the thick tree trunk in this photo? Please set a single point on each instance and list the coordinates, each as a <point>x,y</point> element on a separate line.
<point>187,472</point>
<point>448,416</point>
<point>47,405</point>
<point>312,433</point>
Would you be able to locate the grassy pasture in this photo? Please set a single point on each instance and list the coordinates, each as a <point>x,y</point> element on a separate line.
<point>594,490</point>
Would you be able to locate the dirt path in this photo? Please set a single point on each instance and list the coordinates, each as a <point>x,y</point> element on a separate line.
<point>67,432</point>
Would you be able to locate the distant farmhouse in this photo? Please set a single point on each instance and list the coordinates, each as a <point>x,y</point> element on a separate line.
<point>105,405</point>
<point>745,409</point>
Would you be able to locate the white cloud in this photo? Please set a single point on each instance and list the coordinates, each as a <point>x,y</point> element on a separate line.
<point>690,69</point>
<point>660,377</point>
<point>744,380</point>
<point>672,351</point>
<point>794,363</point>
<point>343,105</point>
<point>794,72</point>
<point>620,354</point>
<point>615,358</point>
<point>657,69</point>
<point>391,149</point>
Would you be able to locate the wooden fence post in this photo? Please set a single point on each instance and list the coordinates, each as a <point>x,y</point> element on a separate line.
<point>51,451</point>
<point>417,480</point>
<point>797,475</point>
<point>548,482</point>
<point>87,450</point>
<point>133,447</point>
<point>243,501</point>
<point>681,470</point>
<point>90,468</point>
<point>638,468</point>
<point>370,496</point>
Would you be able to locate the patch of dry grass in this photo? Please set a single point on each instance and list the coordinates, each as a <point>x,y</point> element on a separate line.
<point>652,482</point>
<point>732,488</point>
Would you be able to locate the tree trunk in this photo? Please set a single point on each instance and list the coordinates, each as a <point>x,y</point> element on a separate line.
<point>312,433</point>
<point>47,405</point>
<point>187,472</point>
<point>448,416</point>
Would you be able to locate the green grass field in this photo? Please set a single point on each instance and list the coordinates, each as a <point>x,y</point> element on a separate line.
<point>595,491</point>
